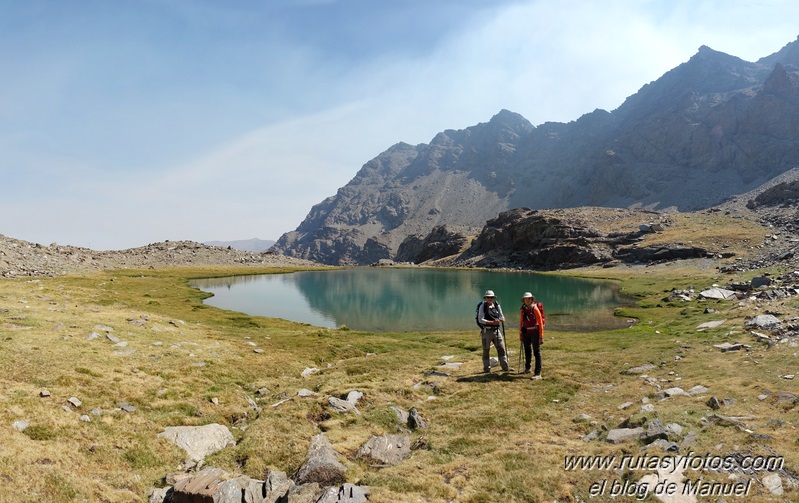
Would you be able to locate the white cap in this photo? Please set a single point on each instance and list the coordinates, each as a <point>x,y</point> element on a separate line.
<point>527,295</point>
<point>489,293</point>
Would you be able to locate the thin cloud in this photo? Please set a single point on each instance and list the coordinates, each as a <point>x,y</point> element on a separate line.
<point>229,122</point>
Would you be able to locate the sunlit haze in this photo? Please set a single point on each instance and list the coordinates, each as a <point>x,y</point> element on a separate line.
<point>126,123</point>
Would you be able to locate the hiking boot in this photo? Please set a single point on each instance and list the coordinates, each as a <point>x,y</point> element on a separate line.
<point>526,371</point>
<point>536,377</point>
<point>486,371</point>
<point>509,369</point>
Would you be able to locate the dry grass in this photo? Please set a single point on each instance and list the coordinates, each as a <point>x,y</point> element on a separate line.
<point>491,438</point>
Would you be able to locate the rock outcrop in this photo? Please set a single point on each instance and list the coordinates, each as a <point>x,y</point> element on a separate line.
<point>713,127</point>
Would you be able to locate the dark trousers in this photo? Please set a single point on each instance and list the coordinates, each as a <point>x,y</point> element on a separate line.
<point>531,348</point>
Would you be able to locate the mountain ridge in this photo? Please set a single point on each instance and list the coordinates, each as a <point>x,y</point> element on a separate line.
<point>712,127</point>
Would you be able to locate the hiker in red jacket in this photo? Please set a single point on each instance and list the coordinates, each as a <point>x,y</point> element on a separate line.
<point>531,332</point>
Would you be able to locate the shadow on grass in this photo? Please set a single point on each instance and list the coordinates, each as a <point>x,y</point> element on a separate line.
<point>494,377</point>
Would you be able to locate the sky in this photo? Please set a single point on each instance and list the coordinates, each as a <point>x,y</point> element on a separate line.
<point>130,122</point>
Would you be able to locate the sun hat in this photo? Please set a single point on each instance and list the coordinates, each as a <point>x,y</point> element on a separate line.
<point>527,295</point>
<point>489,293</point>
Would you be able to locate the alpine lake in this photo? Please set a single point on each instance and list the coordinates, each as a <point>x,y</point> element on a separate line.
<point>415,299</point>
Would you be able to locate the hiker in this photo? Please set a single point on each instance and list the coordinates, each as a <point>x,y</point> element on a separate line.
<point>490,317</point>
<point>531,332</point>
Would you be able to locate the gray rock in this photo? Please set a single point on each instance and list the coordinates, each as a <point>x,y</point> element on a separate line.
<point>786,397</point>
<point>343,406</point>
<point>402,416</point>
<point>160,495</point>
<point>655,430</point>
<point>642,369</point>
<point>20,425</point>
<point>621,435</point>
<point>305,493</point>
<point>717,294</point>
<point>217,486</point>
<point>773,483</point>
<point>697,390</point>
<point>665,445</point>
<point>347,493</point>
<point>689,440</point>
<point>726,346</point>
<point>74,402</point>
<point>674,429</point>
<point>386,449</point>
<point>675,392</point>
<point>760,281</point>
<point>305,392</point>
<point>199,441</point>
<point>713,403</point>
<point>710,324</point>
<point>354,396</point>
<point>126,407</point>
<point>309,371</point>
<point>321,465</point>
<point>764,321</point>
<point>416,421</point>
<point>112,338</point>
<point>276,486</point>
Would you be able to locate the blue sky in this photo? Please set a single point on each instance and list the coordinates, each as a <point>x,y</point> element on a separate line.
<point>134,121</point>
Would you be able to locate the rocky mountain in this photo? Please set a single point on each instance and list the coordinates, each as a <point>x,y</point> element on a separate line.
<point>713,127</point>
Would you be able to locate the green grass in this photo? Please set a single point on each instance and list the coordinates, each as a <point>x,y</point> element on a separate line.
<point>491,437</point>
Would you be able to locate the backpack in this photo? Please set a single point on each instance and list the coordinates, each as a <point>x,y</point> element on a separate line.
<point>540,307</point>
<point>477,313</point>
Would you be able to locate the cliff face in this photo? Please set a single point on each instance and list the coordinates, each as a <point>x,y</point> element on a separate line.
<point>713,127</point>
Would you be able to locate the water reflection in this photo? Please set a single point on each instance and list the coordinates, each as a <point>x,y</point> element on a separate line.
<point>381,300</point>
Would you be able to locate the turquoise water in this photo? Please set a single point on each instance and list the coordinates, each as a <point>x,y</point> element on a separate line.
<point>413,299</point>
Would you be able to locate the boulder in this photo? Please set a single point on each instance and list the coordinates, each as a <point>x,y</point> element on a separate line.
<point>199,441</point>
<point>641,369</point>
<point>386,449</point>
<point>717,294</point>
<point>217,486</point>
<point>764,321</point>
<point>416,421</point>
<point>621,435</point>
<point>347,493</point>
<point>321,464</point>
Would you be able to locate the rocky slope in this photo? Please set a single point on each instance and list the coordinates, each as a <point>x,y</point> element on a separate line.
<point>22,258</point>
<point>713,127</point>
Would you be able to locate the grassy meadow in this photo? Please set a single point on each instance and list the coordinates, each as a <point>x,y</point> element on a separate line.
<point>497,437</point>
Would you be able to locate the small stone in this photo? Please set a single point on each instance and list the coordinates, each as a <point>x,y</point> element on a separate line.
<point>20,425</point>
<point>309,371</point>
<point>44,393</point>
<point>85,418</point>
<point>126,407</point>
<point>74,401</point>
<point>624,405</point>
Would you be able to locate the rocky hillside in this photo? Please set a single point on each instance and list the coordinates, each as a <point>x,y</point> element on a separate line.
<point>22,258</point>
<point>713,127</point>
